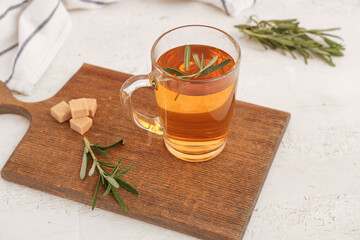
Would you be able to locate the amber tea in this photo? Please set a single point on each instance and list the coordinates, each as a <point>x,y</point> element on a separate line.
<point>197,120</point>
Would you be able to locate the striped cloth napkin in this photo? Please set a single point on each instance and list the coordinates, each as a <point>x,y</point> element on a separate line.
<point>33,31</point>
<point>231,7</point>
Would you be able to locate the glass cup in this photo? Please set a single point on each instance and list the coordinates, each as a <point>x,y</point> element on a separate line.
<point>194,115</point>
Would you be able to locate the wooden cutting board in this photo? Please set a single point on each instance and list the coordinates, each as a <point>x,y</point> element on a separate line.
<point>209,200</point>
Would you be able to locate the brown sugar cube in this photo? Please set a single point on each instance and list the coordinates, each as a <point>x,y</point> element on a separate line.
<point>91,105</point>
<point>81,125</point>
<point>78,108</point>
<point>61,112</point>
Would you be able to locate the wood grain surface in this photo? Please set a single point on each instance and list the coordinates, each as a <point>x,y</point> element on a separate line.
<point>209,200</point>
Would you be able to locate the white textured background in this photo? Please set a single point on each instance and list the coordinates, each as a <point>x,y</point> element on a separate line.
<point>313,188</point>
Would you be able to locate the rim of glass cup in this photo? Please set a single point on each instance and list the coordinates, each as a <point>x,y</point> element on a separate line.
<point>157,66</point>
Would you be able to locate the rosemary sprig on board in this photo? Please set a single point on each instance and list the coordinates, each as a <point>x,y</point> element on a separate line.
<point>288,36</point>
<point>111,181</point>
<point>203,69</point>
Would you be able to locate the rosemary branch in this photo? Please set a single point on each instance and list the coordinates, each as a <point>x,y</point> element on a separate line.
<point>111,181</point>
<point>203,69</point>
<point>289,37</point>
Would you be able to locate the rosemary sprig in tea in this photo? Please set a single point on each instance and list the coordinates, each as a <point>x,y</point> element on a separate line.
<point>203,70</point>
<point>288,36</point>
<point>111,181</point>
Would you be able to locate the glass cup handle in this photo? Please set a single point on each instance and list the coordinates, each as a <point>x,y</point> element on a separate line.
<point>129,86</point>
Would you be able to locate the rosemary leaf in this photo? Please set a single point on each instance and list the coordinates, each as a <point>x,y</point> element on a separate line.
<point>96,193</point>
<point>108,188</point>
<point>261,41</point>
<point>181,86</point>
<point>127,186</point>
<point>331,43</point>
<point>83,164</point>
<point>187,55</point>
<point>288,50</point>
<point>197,60</point>
<point>118,199</point>
<point>335,52</point>
<point>303,53</point>
<point>326,59</point>
<point>128,168</point>
<point>211,63</point>
<point>120,142</point>
<point>88,146</point>
<point>202,61</point>
<point>323,30</point>
<point>100,151</point>
<point>273,44</point>
<point>174,71</point>
<point>214,68</point>
<point>331,35</point>
<point>102,179</point>
<point>112,181</point>
<point>107,164</point>
<point>119,170</point>
<point>119,174</point>
<point>92,169</point>
<point>116,167</point>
